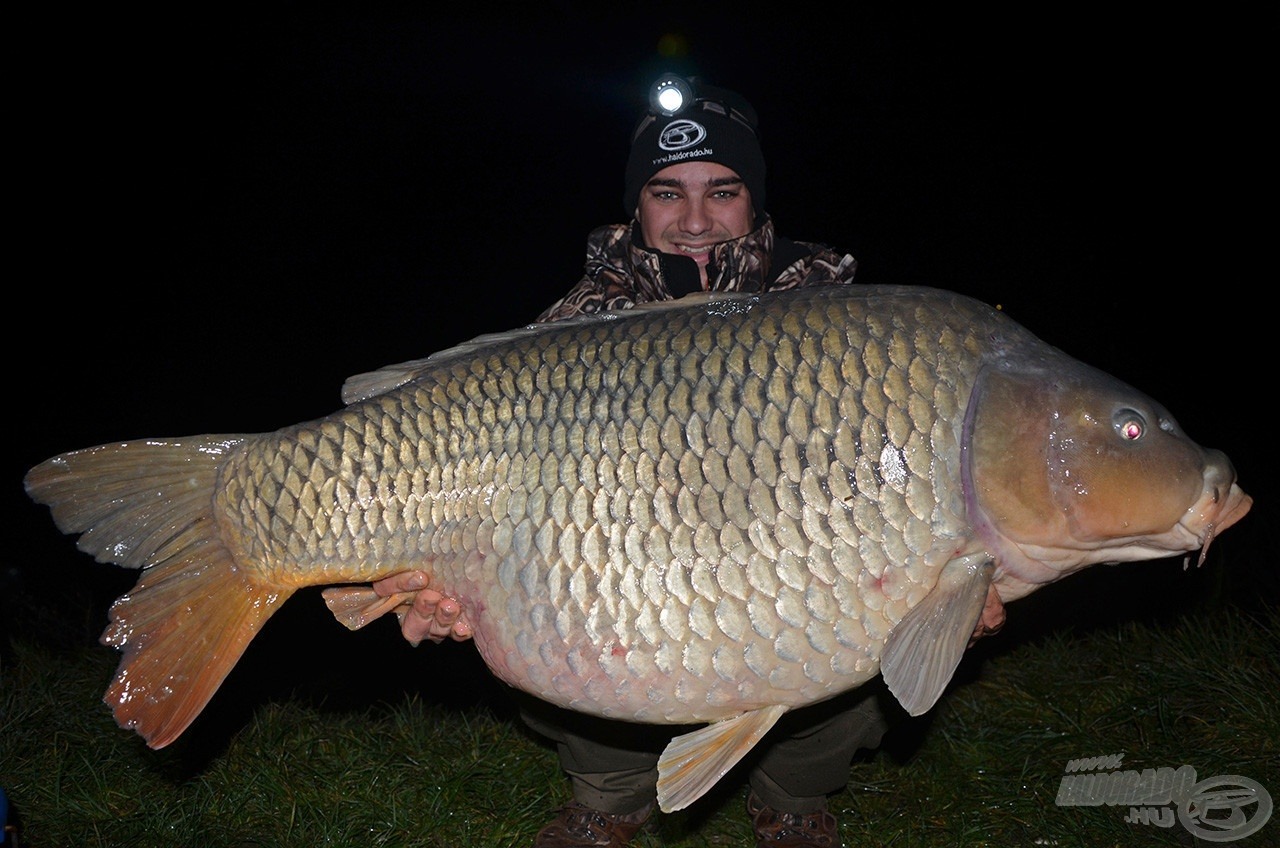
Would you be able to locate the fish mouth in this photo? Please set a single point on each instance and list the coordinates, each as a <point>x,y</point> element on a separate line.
<point>1221,505</point>
<point>1225,512</point>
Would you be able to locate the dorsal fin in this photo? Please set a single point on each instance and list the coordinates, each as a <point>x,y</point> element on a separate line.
<point>360,387</point>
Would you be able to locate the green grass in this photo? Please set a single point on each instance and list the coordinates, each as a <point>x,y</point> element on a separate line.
<point>335,739</point>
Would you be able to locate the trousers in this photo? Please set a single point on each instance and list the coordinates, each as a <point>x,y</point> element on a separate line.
<point>613,765</point>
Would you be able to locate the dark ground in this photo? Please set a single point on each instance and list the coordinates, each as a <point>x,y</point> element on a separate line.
<point>221,217</point>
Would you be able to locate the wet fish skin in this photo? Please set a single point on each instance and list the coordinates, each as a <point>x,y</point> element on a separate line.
<point>707,511</point>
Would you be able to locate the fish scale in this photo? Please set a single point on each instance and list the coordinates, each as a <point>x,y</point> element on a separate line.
<point>781,510</point>
<point>706,511</point>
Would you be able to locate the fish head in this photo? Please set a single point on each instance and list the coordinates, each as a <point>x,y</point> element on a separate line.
<point>1068,466</point>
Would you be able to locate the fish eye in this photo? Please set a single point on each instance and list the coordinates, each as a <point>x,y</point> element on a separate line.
<point>1129,424</point>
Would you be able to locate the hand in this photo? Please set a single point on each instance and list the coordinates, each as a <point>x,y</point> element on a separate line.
<point>425,613</point>
<point>992,618</point>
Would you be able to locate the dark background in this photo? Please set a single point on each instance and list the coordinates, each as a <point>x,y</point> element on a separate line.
<point>222,214</point>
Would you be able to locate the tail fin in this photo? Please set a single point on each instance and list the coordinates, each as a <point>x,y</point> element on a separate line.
<point>150,505</point>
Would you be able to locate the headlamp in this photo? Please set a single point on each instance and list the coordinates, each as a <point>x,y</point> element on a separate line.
<point>669,95</point>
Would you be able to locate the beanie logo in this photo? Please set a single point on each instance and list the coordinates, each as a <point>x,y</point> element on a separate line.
<point>681,134</point>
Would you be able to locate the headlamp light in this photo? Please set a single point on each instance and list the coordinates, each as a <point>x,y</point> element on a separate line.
<point>669,95</point>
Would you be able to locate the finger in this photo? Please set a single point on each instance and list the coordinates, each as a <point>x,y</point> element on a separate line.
<point>462,631</point>
<point>405,581</point>
<point>425,604</point>
<point>416,627</point>
<point>402,613</point>
<point>447,612</point>
<point>993,614</point>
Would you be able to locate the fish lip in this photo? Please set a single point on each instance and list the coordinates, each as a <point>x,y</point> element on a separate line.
<point>1235,507</point>
<point>1238,505</point>
<point>1214,513</point>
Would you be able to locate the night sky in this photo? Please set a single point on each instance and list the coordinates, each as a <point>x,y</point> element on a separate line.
<point>221,217</point>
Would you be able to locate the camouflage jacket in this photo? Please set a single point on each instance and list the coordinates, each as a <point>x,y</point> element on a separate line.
<point>621,273</point>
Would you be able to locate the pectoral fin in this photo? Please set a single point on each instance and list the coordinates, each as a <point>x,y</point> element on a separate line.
<point>924,649</point>
<point>691,764</point>
<point>356,606</point>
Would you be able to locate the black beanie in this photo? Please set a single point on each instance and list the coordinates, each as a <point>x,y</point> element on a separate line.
<point>719,126</point>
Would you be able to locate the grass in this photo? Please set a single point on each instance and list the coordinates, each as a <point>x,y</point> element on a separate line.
<point>325,738</point>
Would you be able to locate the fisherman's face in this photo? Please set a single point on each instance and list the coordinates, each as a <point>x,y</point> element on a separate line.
<point>686,208</point>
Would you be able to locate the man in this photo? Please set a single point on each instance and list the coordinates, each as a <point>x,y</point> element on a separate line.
<point>694,186</point>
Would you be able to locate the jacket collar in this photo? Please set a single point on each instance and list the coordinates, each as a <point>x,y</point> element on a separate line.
<point>740,264</point>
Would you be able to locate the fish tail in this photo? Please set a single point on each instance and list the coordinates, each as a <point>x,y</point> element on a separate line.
<point>150,505</point>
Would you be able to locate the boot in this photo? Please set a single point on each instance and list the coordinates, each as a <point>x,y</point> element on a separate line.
<point>578,826</point>
<point>778,829</point>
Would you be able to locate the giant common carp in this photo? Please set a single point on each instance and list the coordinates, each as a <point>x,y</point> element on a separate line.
<point>703,511</point>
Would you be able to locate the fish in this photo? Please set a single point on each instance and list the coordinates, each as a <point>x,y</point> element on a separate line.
<point>705,512</point>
